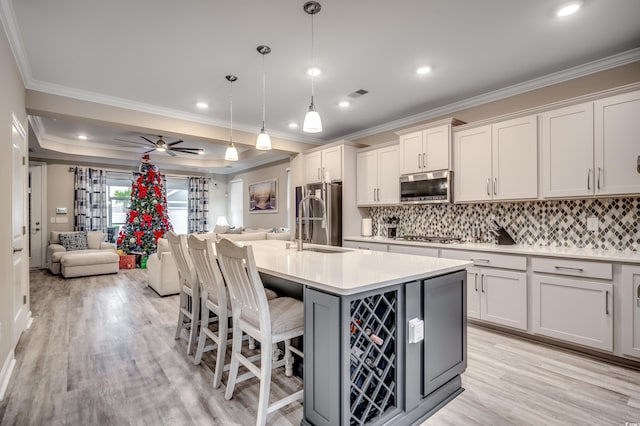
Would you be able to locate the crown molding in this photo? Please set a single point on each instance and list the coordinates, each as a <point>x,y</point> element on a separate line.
<point>8,19</point>
<point>592,67</point>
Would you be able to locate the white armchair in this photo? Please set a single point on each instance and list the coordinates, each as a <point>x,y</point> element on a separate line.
<point>162,270</point>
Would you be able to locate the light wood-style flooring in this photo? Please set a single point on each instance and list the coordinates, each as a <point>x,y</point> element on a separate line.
<point>101,351</point>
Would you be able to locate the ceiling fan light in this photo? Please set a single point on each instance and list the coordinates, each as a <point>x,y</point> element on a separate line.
<point>264,141</point>
<point>312,122</point>
<point>231,154</point>
<point>201,152</point>
<point>161,149</point>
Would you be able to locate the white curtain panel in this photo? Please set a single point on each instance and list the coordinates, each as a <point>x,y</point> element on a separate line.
<point>198,205</point>
<point>90,200</point>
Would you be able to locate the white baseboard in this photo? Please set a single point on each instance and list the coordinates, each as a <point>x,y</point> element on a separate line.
<point>5,373</point>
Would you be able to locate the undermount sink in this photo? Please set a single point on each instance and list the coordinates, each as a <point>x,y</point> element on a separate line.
<point>325,249</point>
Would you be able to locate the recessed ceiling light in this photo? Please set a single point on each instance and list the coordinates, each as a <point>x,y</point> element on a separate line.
<point>344,104</point>
<point>314,71</point>
<point>202,105</point>
<point>82,137</point>
<point>569,8</point>
<point>293,125</point>
<point>426,69</point>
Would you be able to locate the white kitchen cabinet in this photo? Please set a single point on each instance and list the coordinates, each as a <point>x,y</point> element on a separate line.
<point>574,310</point>
<point>630,288</point>
<point>378,176</point>
<point>567,151</point>
<point>497,296</point>
<point>497,161</point>
<point>617,144</point>
<point>425,150</point>
<point>363,245</point>
<point>320,163</point>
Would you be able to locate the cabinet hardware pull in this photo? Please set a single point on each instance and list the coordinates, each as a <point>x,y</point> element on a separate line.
<point>606,302</point>
<point>424,159</point>
<point>483,279</point>
<point>589,180</point>
<point>476,281</point>
<point>568,268</point>
<point>495,186</point>
<point>17,250</point>
<point>364,248</point>
<point>599,169</point>
<point>480,260</point>
<point>638,298</point>
<point>378,194</point>
<point>488,180</point>
<point>419,161</point>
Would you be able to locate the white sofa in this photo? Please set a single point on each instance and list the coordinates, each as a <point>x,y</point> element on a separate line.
<point>99,258</point>
<point>163,273</point>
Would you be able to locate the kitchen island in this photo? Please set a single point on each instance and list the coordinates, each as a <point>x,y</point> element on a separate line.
<point>385,333</point>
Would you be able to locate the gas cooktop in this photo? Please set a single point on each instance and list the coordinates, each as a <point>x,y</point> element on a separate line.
<point>431,239</point>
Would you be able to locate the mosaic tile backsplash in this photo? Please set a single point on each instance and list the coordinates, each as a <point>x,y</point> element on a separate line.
<point>544,223</point>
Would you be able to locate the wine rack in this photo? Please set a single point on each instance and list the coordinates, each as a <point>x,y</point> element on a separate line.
<point>373,363</point>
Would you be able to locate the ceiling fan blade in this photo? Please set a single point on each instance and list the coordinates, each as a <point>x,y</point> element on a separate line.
<point>175,143</point>
<point>173,154</point>
<point>184,151</point>
<point>151,150</point>
<point>148,140</point>
<point>133,142</point>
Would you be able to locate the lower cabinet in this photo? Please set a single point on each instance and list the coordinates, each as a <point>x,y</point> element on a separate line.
<point>361,245</point>
<point>497,296</point>
<point>417,250</point>
<point>574,310</point>
<point>630,310</point>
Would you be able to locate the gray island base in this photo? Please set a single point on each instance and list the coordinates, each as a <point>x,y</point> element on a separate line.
<point>385,334</point>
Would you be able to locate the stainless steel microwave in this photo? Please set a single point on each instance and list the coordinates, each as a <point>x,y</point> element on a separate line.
<point>426,188</point>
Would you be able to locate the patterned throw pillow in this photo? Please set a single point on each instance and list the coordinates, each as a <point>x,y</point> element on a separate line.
<point>74,240</point>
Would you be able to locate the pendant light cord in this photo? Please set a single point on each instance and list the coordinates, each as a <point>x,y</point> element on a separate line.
<point>231,112</point>
<point>313,71</point>
<point>264,93</point>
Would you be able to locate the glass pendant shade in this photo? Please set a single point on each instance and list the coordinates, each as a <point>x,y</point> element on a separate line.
<point>231,154</point>
<point>312,123</point>
<point>264,141</point>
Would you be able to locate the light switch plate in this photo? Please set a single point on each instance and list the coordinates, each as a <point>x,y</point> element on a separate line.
<point>592,224</point>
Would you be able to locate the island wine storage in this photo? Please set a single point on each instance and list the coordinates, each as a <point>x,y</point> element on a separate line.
<point>360,368</point>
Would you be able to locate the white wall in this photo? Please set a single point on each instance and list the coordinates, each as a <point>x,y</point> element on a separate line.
<point>218,200</point>
<point>265,220</point>
<point>12,101</point>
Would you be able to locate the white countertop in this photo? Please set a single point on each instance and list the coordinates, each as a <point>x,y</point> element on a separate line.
<point>349,272</point>
<point>550,251</point>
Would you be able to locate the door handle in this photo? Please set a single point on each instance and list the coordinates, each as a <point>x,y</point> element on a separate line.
<point>424,160</point>
<point>495,186</point>
<point>475,281</point>
<point>378,189</point>
<point>638,298</point>
<point>419,162</point>
<point>606,303</point>
<point>599,170</point>
<point>483,279</point>
<point>17,250</point>
<point>589,180</point>
<point>488,181</point>
<point>479,260</point>
<point>566,268</point>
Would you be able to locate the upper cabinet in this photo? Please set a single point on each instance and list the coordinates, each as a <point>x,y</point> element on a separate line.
<point>378,176</point>
<point>320,163</point>
<point>497,161</point>
<point>428,149</point>
<point>617,144</point>
<point>592,148</point>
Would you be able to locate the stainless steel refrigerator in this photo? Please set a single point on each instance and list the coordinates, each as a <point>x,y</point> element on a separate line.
<point>313,225</point>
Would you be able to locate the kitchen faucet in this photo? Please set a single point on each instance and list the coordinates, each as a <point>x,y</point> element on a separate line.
<point>300,218</point>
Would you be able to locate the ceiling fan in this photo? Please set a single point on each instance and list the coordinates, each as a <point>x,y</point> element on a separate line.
<point>161,146</point>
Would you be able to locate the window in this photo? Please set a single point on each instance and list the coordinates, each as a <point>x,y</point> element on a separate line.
<point>177,204</point>
<point>119,190</point>
<point>236,203</point>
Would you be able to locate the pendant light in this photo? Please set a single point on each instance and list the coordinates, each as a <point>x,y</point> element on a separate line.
<point>312,123</point>
<point>264,141</point>
<point>231,154</point>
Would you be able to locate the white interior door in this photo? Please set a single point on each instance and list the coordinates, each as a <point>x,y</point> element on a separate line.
<point>37,242</point>
<point>19,271</point>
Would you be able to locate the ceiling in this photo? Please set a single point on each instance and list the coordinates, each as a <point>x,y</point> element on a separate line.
<point>164,56</point>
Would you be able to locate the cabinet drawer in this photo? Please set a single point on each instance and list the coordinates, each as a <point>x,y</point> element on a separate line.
<point>572,267</point>
<point>493,260</point>
<point>365,245</point>
<point>419,251</point>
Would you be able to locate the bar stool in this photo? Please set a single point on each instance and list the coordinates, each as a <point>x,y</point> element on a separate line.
<point>267,321</point>
<point>189,289</point>
<point>213,295</point>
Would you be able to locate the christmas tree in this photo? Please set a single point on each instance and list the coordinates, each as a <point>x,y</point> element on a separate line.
<point>148,218</point>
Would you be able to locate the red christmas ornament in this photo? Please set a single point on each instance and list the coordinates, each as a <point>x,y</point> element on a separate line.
<point>158,191</point>
<point>132,215</point>
<point>139,235</point>
<point>151,176</point>
<point>142,191</point>
<point>159,208</point>
<point>146,219</point>
<point>158,234</point>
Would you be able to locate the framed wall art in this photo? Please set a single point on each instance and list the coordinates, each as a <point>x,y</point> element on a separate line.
<point>263,196</point>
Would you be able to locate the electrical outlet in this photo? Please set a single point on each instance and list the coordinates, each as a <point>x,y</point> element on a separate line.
<point>592,224</point>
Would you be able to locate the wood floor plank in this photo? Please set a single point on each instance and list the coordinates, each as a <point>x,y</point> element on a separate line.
<point>101,351</point>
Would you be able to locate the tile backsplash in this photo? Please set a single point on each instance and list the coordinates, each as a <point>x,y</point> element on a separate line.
<point>543,223</point>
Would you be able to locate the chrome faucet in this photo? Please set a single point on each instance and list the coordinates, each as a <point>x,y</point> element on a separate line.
<point>300,218</point>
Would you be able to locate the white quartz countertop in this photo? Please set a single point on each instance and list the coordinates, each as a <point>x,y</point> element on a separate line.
<point>549,251</point>
<point>349,272</point>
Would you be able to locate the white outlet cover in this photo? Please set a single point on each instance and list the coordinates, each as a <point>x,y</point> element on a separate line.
<point>592,224</point>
